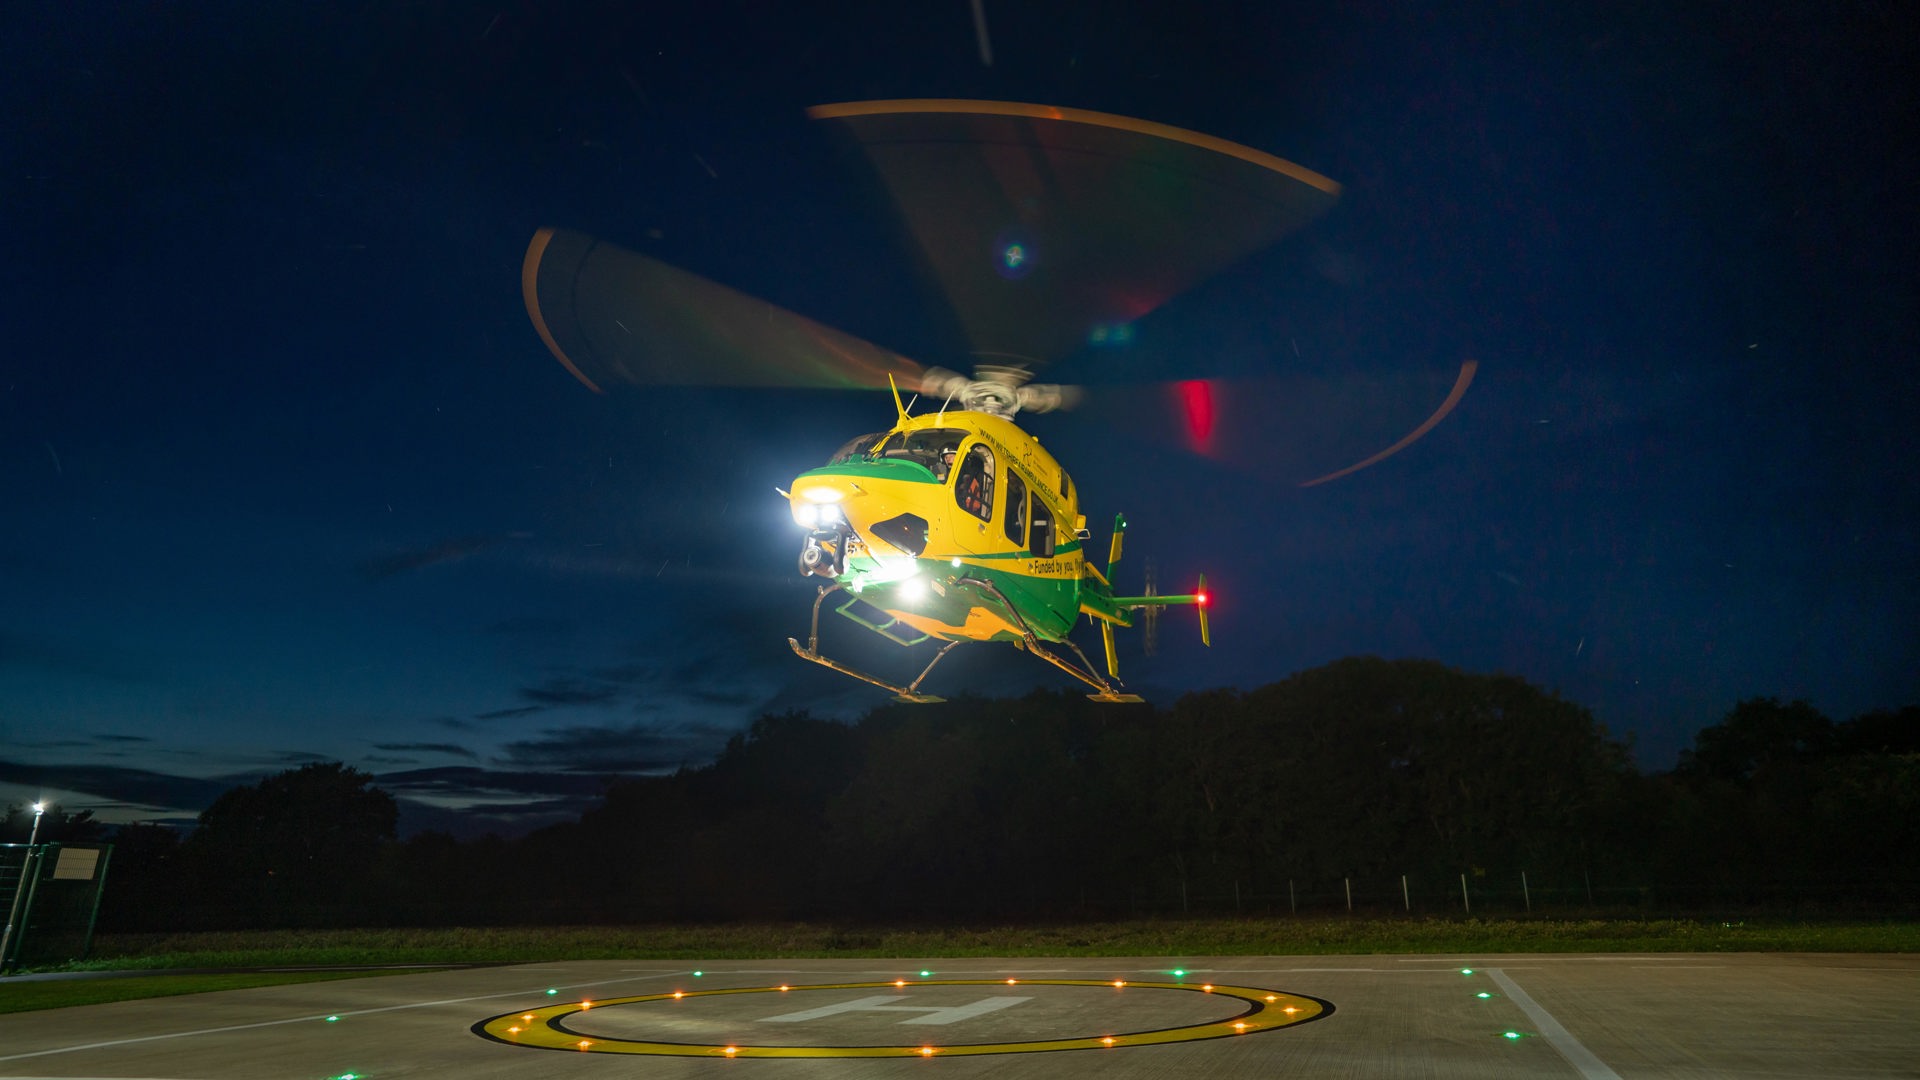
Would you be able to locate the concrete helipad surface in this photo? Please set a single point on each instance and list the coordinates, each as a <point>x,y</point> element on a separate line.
<point>1629,1016</point>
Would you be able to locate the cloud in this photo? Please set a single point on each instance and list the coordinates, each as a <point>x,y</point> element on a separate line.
<point>465,800</point>
<point>501,786</point>
<point>567,691</point>
<point>468,801</point>
<point>446,551</point>
<point>635,748</point>
<point>109,738</point>
<point>115,785</point>
<point>427,748</point>
<point>498,714</point>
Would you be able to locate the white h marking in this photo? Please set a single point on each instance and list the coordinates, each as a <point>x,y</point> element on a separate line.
<point>881,1003</point>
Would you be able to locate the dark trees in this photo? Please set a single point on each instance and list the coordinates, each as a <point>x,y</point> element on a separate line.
<point>1373,768</point>
<point>1776,798</point>
<point>298,848</point>
<point>1049,806</point>
<point>1758,734</point>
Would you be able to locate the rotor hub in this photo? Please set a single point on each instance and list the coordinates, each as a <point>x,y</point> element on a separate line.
<point>997,391</point>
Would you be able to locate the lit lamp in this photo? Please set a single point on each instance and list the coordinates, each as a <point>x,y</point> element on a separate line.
<point>20,889</point>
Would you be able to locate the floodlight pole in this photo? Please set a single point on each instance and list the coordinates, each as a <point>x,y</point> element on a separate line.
<point>20,889</point>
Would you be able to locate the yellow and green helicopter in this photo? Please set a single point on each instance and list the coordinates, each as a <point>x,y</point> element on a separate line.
<point>1046,229</point>
<point>958,525</point>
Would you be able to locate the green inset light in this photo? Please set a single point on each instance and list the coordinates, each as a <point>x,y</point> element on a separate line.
<point>924,974</point>
<point>1466,971</point>
<point>1483,995</point>
<point>1511,1035</point>
<point>1179,973</point>
<point>551,992</point>
<point>697,974</point>
<point>333,1019</point>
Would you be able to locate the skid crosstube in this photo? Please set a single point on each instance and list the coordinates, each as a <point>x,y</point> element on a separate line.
<point>909,693</point>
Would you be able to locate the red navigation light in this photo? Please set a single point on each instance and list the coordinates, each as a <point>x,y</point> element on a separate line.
<point>1200,598</point>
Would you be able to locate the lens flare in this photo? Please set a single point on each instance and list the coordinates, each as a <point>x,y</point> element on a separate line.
<point>1196,405</point>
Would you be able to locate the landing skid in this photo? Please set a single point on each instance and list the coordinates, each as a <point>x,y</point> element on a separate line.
<point>908,693</point>
<point>1028,641</point>
<point>1086,673</point>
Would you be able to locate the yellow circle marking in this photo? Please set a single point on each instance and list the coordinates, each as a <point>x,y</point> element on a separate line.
<point>1266,1010</point>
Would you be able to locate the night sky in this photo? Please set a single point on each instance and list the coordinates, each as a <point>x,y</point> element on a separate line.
<point>287,476</point>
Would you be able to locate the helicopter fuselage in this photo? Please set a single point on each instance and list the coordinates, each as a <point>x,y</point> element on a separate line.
<point>957,525</point>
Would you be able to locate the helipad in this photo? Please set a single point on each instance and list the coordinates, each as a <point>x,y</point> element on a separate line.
<point>920,1017</point>
<point>1579,1017</point>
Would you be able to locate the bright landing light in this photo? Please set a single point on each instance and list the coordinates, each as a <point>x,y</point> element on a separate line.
<point>814,515</point>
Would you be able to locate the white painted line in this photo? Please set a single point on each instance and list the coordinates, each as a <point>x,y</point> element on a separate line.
<point>1577,1055</point>
<point>317,1017</point>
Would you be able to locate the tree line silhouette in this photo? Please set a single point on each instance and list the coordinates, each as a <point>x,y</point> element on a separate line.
<point>1052,807</point>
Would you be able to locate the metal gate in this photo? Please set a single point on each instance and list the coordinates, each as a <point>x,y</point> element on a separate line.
<point>51,894</point>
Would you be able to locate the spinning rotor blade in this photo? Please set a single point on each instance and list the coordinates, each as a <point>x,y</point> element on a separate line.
<point>1309,431</point>
<point>1293,429</point>
<point>1459,391</point>
<point>1049,229</point>
<point>612,315</point>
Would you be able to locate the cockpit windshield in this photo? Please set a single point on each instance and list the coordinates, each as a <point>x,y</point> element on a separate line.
<point>857,449</point>
<point>930,447</point>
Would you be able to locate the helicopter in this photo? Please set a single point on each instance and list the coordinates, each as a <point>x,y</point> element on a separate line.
<point>1045,227</point>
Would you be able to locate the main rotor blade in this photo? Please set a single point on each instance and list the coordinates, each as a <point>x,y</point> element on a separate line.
<point>613,315</point>
<point>1460,384</point>
<point>1049,229</point>
<point>1290,429</point>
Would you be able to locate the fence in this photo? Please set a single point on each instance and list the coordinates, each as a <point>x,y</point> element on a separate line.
<point>51,893</point>
<point>1512,892</point>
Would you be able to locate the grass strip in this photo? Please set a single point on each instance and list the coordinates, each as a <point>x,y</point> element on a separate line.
<point>1197,937</point>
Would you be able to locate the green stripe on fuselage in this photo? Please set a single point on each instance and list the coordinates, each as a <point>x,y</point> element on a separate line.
<point>1060,552</point>
<point>884,469</point>
<point>1050,606</point>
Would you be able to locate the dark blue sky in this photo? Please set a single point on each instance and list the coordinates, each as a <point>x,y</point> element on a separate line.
<point>285,474</point>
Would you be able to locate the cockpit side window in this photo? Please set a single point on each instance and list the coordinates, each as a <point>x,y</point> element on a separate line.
<point>973,485</point>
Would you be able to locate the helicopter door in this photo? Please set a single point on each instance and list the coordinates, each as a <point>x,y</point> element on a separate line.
<point>973,484</point>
